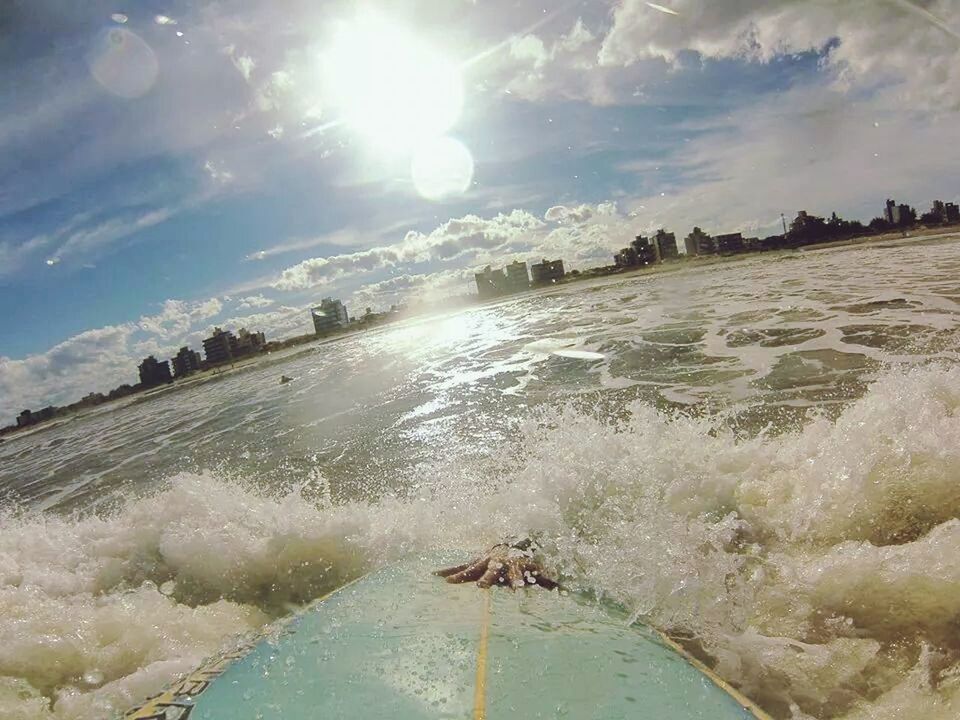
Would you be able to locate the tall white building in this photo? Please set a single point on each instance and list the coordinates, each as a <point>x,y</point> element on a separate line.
<point>329,315</point>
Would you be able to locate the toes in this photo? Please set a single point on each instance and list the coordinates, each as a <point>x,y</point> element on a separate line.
<point>534,575</point>
<point>493,573</point>
<point>514,574</point>
<point>472,572</point>
<point>546,582</point>
<point>446,572</point>
<point>488,571</point>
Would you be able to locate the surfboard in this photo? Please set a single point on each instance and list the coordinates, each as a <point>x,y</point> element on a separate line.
<point>403,644</point>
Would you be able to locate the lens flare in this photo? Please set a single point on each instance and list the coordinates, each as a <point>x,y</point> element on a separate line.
<point>123,63</point>
<point>442,168</point>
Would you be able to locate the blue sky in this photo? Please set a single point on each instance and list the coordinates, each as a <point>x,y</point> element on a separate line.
<point>169,166</point>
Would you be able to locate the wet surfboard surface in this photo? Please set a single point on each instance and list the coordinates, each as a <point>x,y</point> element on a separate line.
<point>401,643</point>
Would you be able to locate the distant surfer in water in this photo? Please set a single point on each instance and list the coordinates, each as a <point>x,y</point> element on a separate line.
<point>508,564</point>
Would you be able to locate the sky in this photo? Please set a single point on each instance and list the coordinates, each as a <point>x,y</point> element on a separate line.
<point>166,167</point>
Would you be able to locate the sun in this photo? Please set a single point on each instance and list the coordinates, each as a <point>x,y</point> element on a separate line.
<point>389,86</point>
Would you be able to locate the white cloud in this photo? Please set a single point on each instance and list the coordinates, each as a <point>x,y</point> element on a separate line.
<point>93,360</point>
<point>285,321</point>
<point>530,48</point>
<point>585,235</point>
<point>102,358</point>
<point>80,239</point>
<point>43,96</point>
<point>217,172</point>
<point>245,64</point>
<point>85,241</point>
<point>742,171</point>
<point>537,69</point>
<point>907,47</point>
<point>877,42</point>
<point>346,237</point>
<point>454,239</point>
<point>14,256</point>
<point>579,213</point>
<point>179,317</point>
<point>254,301</point>
<point>275,91</point>
<point>576,39</point>
<point>317,271</point>
<point>581,234</point>
<point>426,286</point>
<point>471,234</point>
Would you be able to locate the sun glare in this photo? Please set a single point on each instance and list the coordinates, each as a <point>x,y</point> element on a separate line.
<point>390,87</point>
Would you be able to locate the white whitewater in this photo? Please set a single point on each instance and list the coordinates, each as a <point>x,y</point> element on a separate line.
<point>765,459</point>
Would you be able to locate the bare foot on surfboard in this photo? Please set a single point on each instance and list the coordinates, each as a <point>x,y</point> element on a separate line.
<point>510,565</point>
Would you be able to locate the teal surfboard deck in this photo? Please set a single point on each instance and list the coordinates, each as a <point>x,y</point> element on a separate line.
<point>403,644</point>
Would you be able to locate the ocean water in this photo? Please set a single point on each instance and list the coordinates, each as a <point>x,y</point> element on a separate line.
<point>761,456</point>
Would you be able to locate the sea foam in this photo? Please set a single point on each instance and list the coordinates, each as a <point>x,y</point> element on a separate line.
<point>818,570</point>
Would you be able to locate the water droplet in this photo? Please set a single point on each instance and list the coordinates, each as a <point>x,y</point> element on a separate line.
<point>93,677</point>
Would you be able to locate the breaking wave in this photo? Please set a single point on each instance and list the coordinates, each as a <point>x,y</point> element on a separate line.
<point>818,570</point>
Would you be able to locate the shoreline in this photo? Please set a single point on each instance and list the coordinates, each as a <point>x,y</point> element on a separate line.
<point>196,379</point>
<point>275,358</point>
<point>913,236</point>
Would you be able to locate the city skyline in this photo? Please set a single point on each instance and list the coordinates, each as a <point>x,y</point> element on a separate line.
<point>221,348</point>
<point>331,315</point>
<point>219,175</point>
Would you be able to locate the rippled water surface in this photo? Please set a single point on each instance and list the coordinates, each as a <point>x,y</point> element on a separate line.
<point>760,455</point>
